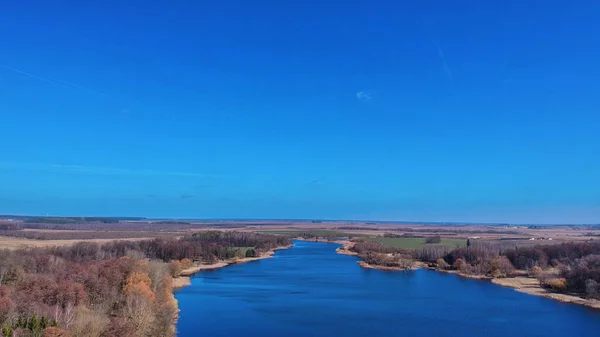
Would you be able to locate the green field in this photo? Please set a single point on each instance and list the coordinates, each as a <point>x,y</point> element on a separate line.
<point>243,249</point>
<point>414,243</point>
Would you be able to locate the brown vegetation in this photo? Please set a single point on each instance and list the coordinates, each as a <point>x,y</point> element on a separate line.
<point>119,288</point>
<point>375,255</point>
<point>578,265</point>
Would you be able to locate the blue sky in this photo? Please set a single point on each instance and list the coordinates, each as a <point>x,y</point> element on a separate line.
<point>390,110</point>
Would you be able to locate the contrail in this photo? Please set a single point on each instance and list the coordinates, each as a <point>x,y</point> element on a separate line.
<point>53,81</point>
<point>98,170</point>
<point>43,79</point>
<point>446,67</point>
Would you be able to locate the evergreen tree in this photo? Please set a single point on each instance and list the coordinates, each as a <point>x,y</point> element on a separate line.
<point>7,331</point>
<point>54,323</point>
<point>21,322</point>
<point>468,243</point>
<point>43,322</point>
<point>251,252</point>
<point>34,323</point>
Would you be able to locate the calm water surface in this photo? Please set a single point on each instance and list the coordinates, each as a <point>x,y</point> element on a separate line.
<point>309,290</point>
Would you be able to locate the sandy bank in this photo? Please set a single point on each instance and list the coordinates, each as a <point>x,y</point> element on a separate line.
<point>345,249</point>
<point>458,273</point>
<point>374,266</point>
<point>532,286</point>
<point>181,281</point>
<point>194,269</point>
<point>184,279</point>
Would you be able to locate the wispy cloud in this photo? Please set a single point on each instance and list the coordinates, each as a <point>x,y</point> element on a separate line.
<point>365,95</point>
<point>445,62</point>
<point>97,170</point>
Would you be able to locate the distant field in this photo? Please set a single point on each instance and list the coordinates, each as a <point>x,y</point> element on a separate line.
<point>415,243</point>
<point>315,232</point>
<point>15,243</point>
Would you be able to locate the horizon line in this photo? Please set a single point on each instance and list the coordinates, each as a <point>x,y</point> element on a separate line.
<point>141,218</point>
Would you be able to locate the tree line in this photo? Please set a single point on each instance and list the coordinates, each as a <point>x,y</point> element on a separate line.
<point>116,289</point>
<point>575,266</point>
<point>578,264</point>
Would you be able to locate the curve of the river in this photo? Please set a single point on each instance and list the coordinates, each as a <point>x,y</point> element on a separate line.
<point>310,290</point>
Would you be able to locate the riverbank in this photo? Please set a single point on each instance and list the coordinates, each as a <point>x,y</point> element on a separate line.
<point>345,250</point>
<point>531,286</point>
<point>385,268</point>
<point>527,285</point>
<point>523,284</point>
<point>184,278</point>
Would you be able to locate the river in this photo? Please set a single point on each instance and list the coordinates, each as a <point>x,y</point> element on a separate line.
<point>310,290</point>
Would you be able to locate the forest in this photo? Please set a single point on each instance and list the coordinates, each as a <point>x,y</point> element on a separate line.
<point>572,267</point>
<point>377,254</point>
<point>121,288</point>
<point>576,265</point>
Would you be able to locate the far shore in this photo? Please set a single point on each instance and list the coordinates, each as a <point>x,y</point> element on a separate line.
<point>526,285</point>
<point>184,278</point>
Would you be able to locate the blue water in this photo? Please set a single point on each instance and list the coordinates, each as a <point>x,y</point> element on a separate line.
<point>309,290</point>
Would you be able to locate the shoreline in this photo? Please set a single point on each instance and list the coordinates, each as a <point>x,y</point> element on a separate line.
<point>526,285</point>
<point>384,268</point>
<point>522,284</point>
<point>184,279</point>
<point>531,286</point>
<point>345,250</point>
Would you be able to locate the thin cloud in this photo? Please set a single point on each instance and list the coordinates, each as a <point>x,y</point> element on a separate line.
<point>97,170</point>
<point>445,62</point>
<point>187,196</point>
<point>364,96</point>
<point>53,81</point>
<point>43,79</point>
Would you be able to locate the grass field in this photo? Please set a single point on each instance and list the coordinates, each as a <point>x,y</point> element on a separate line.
<point>315,232</point>
<point>414,243</point>
<point>243,249</point>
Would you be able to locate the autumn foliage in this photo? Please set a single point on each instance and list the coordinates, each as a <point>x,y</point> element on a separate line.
<point>578,264</point>
<point>117,289</point>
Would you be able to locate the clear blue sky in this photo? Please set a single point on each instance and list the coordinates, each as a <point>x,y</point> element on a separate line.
<point>388,110</point>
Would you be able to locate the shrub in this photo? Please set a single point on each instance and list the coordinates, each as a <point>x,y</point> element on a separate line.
<point>460,265</point>
<point>55,332</point>
<point>433,239</point>
<point>535,271</point>
<point>251,252</point>
<point>442,264</point>
<point>186,263</point>
<point>505,268</point>
<point>175,268</point>
<point>557,284</point>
